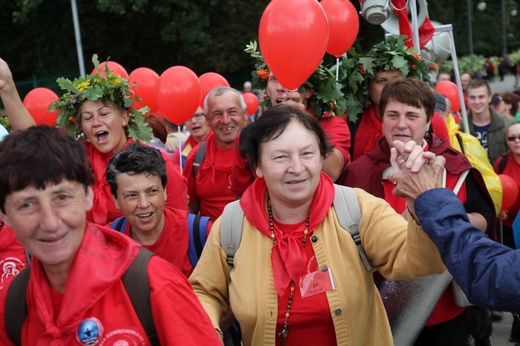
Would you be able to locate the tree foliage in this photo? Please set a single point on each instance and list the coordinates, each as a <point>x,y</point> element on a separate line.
<point>204,35</point>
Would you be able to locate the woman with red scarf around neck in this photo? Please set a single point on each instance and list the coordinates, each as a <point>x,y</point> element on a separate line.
<point>291,235</point>
<point>75,294</point>
<point>406,108</point>
<point>98,109</point>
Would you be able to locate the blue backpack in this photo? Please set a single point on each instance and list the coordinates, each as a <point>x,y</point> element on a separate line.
<point>197,226</point>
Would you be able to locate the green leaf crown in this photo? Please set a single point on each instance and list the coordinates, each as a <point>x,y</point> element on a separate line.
<point>349,95</point>
<point>96,87</point>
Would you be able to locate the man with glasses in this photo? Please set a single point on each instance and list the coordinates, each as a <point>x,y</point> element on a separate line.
<point>208,175</point>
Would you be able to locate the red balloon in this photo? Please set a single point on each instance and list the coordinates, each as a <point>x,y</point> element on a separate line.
<point>178,94</point>
<point>144,82</point>
<point>251,102</point>
<point>293,37</point>
<point>509,191</point>
<point>37,101</point>
<point>208,82</point>
<point>449,90</point>
<point>343,25</point>
<point>113,66</point>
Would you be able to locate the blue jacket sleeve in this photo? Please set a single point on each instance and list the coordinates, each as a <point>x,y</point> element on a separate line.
<point>488,272</point>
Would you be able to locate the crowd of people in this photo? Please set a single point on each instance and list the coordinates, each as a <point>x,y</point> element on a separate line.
<point>100,191</point>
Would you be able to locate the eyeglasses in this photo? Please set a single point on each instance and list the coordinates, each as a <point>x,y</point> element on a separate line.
<point>513,138</point>
<point>197,116</point>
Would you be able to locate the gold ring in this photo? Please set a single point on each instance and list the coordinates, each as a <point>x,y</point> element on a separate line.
<point>401,162</point>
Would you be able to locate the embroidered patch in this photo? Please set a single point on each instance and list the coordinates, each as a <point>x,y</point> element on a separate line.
<point>11,266</point>
<point>123,337</point>
<point>89,331</point>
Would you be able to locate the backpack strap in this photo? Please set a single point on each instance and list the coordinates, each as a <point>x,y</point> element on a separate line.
<point>349,216</point>
<point>502,164</point>
<point>137,286</point>
<point>197,229</point>
<point>119,224</point>
<point>231,230</point>
<point>199,157</point>
<point>16,305</point>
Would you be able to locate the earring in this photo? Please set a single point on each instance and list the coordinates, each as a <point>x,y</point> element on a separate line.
<point>124,124</point>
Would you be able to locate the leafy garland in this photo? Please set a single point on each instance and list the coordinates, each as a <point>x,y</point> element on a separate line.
<point>359,68</point>
<point>96,87</point>
<point>328,96</point>
<point>350,95</point>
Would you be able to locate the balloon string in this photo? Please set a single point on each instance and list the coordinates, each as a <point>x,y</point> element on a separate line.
<point>179,150</point>
<point>337,69</point>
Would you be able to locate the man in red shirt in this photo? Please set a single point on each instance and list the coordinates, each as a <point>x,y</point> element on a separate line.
<point>209,188</point>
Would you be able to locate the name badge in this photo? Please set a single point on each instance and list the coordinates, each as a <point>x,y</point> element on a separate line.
<point>316,282</point>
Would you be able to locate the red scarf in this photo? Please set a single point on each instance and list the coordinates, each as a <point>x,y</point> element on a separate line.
<point>213,161</point>
<point>104,255</point>
<point>103,209</point>
<point>288,256</point>
<point>369,130</point>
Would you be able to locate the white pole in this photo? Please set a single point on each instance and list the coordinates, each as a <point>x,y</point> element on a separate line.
<point>77,33</point>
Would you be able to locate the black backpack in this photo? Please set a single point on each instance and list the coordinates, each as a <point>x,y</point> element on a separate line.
<point>135,280</point>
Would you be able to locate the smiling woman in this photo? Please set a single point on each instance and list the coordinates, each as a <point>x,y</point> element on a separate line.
<point>291,240</point>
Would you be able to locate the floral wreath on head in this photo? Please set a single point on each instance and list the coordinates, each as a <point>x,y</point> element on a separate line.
<point>359,68</point>
<point>96,87</point>
<point>328,97</point>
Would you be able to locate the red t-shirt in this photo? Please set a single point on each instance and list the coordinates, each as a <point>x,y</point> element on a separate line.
<point>338,134</point>
<point>172,244</point>
<point>12,256</point>
<point>303,329</point>
<point>212,186</point>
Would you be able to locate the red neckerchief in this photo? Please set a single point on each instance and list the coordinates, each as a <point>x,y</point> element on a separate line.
<point>288,257</point>
<point>104,255</point>
<point>212,163</point>
<point>103,201</point>
<point>369,130</point>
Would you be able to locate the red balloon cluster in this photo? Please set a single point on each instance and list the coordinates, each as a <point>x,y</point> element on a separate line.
<point>178,94</point>
<point>208,82</point>
<point>449,90</point>
<point>509,191</point>
<point>37,101</point>
<point>144,81</point>
<point>251,102</point>
<point>113,66</point>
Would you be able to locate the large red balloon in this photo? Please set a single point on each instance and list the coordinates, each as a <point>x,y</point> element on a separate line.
<point>113,66</point>
<point>293,37</point>
<point>144,82</point>
<point>251,102</point>
<point>449,90</point>
<point>37,101</point>
<point>208,82</point>
<point>178,94</point>
<point>509,191</point>
<point>343,25</point>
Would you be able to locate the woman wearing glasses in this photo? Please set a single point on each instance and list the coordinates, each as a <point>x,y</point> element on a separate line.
<point>509,164</point>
